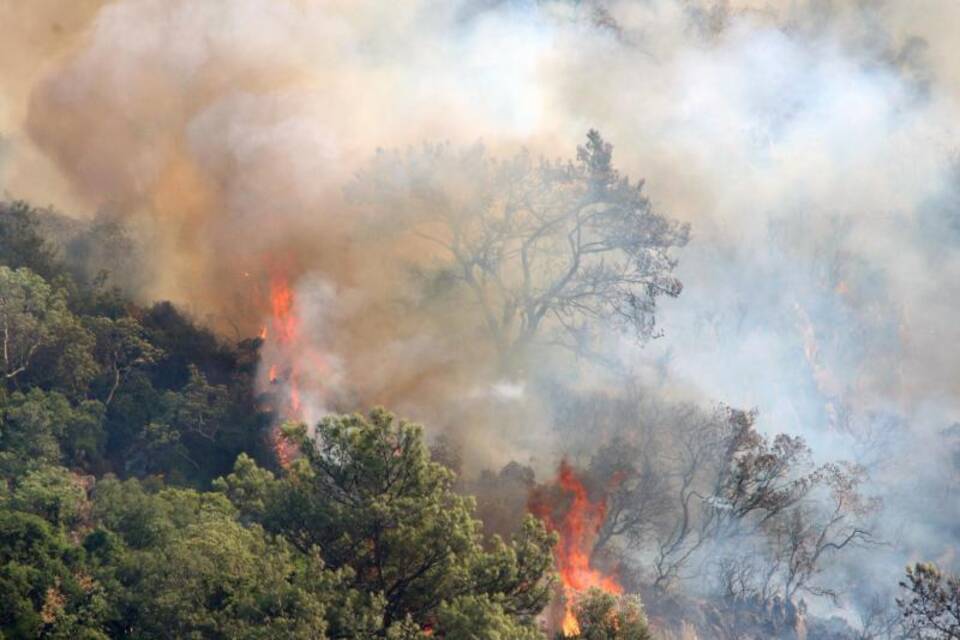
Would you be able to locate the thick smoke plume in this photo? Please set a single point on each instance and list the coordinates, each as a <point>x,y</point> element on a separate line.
<point>811,146</point>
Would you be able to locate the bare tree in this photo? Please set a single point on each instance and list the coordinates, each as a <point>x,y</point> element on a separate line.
<point>735,485</point>
<point>737,579</point>
<point>762,478</point>
<point>693,493</point>
<point>811,532</point>
<point>699,443</point>
<point>792,516</point>
<point>546,251</point>
<point>636,494</point>
<point>880,620</point>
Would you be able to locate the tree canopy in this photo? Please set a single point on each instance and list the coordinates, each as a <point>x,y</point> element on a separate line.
<point>546,251</point>
<point>115,423</point>
<point>367,498</point>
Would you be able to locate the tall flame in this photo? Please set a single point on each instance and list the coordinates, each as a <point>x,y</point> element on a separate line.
<point>297,372</point>
<point>577,526</point>
<point>284,334</point>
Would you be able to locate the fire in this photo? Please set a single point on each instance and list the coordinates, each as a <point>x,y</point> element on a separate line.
<point>297,372</point>
<point>577,527</point>
<point>285,321</point>
<point>282,448</point>
<point>285,325</point>
<point>284,336</point>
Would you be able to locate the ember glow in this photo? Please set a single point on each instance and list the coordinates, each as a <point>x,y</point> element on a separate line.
<point>568,510</point>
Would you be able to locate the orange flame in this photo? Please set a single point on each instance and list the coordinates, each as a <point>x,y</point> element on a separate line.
<point>286,326</point>
<point>285,322</point>
<point>577,527</point>
<point>284,332</point>
<point>298,370</point>
<point>282,448</point>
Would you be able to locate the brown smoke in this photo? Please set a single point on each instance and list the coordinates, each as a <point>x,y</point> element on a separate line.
<point>226,131</point>
<point>811,144</point>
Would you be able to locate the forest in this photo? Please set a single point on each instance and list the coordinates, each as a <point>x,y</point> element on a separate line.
<point>152,490</point>
<point>479,320</point>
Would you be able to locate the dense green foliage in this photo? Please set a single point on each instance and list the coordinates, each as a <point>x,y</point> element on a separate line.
<point>367,498</point>
<point>98,384</point>
<point>137,498</point>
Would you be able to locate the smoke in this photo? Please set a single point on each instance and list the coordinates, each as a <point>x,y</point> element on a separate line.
<point>811,145</point>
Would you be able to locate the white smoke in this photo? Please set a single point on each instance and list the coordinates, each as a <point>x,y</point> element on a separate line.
<point>811,145</point>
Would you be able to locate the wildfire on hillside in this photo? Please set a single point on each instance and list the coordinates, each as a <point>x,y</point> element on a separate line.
<point>282,334</point>
<point>296,372</point>
<point>566,508</point>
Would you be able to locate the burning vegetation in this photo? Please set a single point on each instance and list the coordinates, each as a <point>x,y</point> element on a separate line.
<point>295,374</point>
<point>282,371</point>
<point>567,509</point>
<point>667,490</point>
<point>753,432</point>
